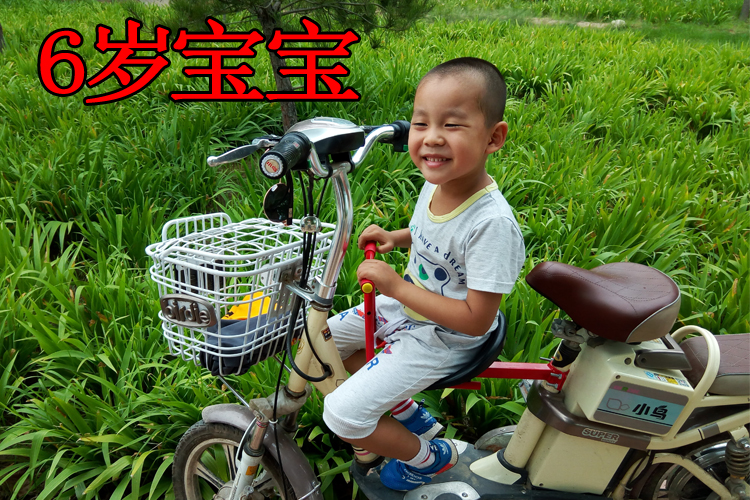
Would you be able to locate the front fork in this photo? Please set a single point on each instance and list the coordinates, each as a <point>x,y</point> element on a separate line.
<point>289,400</point>
<point>322,342</point>
<point>251,451</point>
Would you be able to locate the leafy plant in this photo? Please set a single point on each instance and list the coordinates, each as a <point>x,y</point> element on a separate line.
<point>621,148</point>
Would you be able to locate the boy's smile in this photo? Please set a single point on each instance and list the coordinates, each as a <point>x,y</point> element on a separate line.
<point>449,139</point>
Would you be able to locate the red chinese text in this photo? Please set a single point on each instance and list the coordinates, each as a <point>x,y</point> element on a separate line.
<point>311,71</point>
<point>226,82</point>
<point>217,71</point>
<point>126,57</point>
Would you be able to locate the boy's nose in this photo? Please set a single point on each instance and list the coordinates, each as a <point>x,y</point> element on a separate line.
<point>433,136</point>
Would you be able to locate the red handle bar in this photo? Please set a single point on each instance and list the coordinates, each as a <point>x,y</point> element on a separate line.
<point>369,290</point>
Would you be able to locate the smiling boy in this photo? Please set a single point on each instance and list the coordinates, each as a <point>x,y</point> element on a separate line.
<point>466,250</point>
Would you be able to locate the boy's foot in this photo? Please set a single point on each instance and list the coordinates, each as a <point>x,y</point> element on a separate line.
<point>396,475</point>
<point>423,424</point>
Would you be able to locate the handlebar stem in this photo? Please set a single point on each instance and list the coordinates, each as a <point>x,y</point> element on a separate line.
<point>325,286</point>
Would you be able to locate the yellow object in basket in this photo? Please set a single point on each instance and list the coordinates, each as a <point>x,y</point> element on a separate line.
<point>258,307</point>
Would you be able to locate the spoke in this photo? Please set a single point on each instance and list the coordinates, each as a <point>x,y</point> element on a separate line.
<point>715,474</point>
<point>229,456</point>
<point>212,479</point>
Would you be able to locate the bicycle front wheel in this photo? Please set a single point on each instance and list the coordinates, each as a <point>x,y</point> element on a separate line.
<point>204,466</point>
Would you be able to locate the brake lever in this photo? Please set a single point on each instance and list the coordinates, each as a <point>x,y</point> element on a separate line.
<point>241,152</point>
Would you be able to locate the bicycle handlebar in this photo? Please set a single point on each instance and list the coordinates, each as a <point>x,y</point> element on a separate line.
<point>333,148</point>
<point>292,149</point>
<point>243,151</point>
<point>319,135</point>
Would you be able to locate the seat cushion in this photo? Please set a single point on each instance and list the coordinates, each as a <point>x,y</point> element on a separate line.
<point>733,378</point>
<point>622,301</point>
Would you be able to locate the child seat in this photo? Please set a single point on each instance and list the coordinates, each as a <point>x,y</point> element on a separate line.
<point>484,358</point>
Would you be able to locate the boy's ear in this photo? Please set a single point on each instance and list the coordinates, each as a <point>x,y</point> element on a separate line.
<point>497,139</point>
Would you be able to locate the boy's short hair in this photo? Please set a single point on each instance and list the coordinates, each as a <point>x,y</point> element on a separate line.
<point>492,103</point>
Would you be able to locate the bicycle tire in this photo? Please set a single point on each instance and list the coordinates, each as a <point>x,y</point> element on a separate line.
<point>204,465</point>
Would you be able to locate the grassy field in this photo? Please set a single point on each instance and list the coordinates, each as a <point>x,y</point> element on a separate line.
<point>623,146</point>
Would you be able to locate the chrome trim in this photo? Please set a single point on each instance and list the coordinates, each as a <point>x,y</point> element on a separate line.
<point>384,132</point>
<point>187,310</point>
<point>311,492</point>
<point>326,287</point>
<point>257,433</point>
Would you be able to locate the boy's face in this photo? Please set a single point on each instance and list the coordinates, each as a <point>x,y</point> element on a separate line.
<point>449,140</point>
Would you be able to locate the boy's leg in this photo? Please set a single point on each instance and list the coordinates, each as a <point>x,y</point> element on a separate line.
<point>348,332</point>
<point>390,439</point>
<point>411,362</point>
<point>356,361</point>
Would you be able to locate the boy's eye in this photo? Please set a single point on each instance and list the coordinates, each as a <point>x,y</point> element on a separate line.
<point>452,125</point>
<point>418,124</point>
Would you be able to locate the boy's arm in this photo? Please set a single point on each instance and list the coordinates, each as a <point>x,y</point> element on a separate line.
<point>473,316</point>
<point>387,240</point>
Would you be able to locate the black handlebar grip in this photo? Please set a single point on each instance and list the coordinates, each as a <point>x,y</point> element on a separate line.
<point>292,149</point>
<point>400,139</point>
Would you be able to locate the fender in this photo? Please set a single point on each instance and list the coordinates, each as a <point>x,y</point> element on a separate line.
<point>296,467</point>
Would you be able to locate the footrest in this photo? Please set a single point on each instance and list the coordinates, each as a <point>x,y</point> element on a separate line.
<point>458,483</point>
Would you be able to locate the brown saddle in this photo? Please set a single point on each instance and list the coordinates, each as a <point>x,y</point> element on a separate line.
<point>624,301</point>
<point>629,302</point>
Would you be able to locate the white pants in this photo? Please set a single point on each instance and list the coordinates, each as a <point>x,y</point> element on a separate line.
<point>416,355</point>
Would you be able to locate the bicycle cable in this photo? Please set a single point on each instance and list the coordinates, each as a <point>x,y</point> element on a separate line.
<point>308,252</point>
<point>634,480</point>
<point>275,419</point>
<point>322,192</point>
<point>307,208</point>
<point>290,333</point>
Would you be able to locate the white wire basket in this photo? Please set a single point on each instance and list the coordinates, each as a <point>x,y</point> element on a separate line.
<point>224,303</point>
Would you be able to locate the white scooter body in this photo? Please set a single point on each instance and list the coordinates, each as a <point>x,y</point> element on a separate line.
<point>609,410</point>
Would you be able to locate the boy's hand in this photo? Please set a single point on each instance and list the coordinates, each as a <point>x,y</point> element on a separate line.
<point>385,279</point>
<point>379,235</point>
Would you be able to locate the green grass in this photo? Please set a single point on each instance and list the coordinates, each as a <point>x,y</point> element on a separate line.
<point>700,21</point>
<point>707,12</point>
<point>623,145</point>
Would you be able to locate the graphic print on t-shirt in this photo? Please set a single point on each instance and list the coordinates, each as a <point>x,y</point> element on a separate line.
<point>430,271</point>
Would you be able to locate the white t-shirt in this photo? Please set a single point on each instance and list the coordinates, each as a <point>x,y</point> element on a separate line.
<point>478,245</point>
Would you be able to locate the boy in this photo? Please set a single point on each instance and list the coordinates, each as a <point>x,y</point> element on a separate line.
<point>466,251</point>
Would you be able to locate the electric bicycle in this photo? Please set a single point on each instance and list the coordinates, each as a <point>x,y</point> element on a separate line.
<point>623,410</point>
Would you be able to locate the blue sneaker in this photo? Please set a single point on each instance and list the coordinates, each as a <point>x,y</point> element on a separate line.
<point>423,424</point>
<point>398,476</point>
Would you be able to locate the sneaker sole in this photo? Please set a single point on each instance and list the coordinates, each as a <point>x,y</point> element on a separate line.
<point>454,456</point>
<point>454,460</point>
